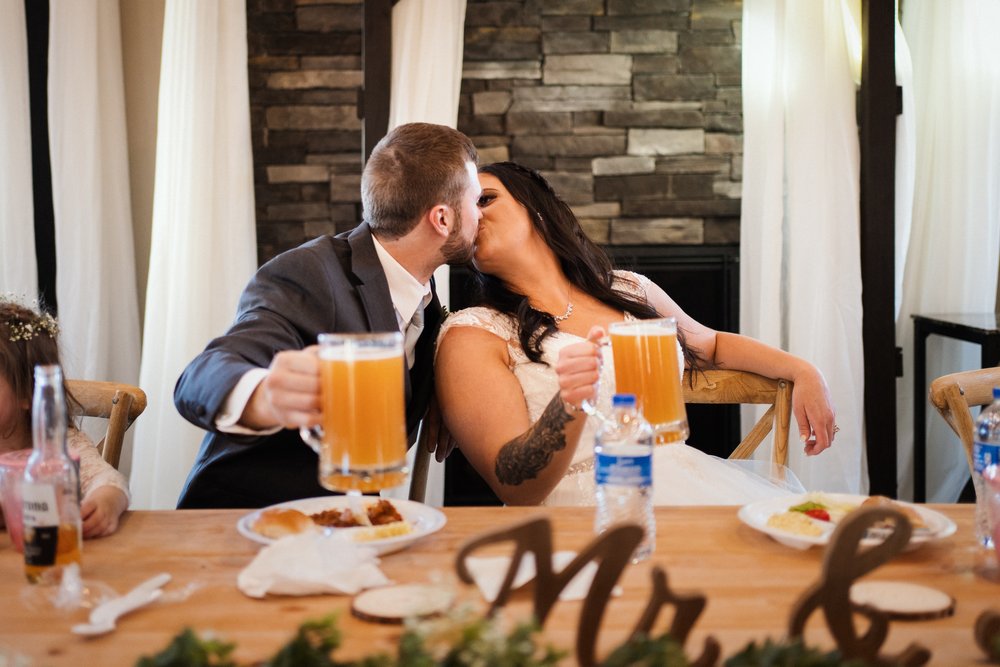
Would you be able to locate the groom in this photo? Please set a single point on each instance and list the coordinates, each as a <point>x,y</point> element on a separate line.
<point>253,387</point>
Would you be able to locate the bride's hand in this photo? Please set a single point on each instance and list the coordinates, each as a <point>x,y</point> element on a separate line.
<point>579,368</point>
<point>814,411</point>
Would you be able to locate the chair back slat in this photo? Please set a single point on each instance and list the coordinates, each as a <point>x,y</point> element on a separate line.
<point>119,403</point>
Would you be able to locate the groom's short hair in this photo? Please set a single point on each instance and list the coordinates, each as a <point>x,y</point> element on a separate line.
<point>414,167</point>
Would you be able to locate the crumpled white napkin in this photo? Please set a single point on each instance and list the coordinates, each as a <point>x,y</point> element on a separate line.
<point>310,564</point>
<point>489,571</point>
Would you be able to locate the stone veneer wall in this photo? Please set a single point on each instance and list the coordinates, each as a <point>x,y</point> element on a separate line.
<point>632,109</point>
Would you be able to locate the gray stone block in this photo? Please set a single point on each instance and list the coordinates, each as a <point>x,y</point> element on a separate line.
<point>297,173</point>
<point>345,188</point>
<point>338,163</point>
<point>727,188</point>
<point>330,18</point>
<point>331,62</point>
<point>681,207</point>
<point>313,118</point>
<point>567,145</point>
<point>729,80</point>
<point>665,142</point>
<point>621,164</point>
<point>538,162</point>
<point>597,230</point>
<point>270,97</point>
<point>650,22</point>
<point>674,87</point>
<point>568,7</point>
<point>273,63</point>
<point>633,7</point>
<point>507,69</point>
<point>565,24</point>
<point>631,187</point>
<point>309,211</point>
<point>722,230</point>
<point>716,143</point>
<point>707,38</point>
<point>724,122</point>
<point>681,231</point>
<point>737,171</point>
<point>733,97</point>
<point>586,118</point>
<point>313,141</point>
<point>491,102</point>
<point>570,98</point>
<point>315,228</point>
<point>710,60</point>
<point>657,114</point>
<point>574,188</point>
<point>471,124</point>
<point>606,69</point>
<point>693,164</point>
<point>534,122</point>
<point>604,209</point>
<point>513,43</point>
<point>573,164</point>
<point>574,42</point>
<point>494,14</point>
<point>491,154</point>
<point>316,78</point>
<point>692,186</point>
<point>345,213</point>
<point>643,41</point>
<point>490,140</point>
<point>715,15</point>
<point>267,193</point>
<point>655,64</point>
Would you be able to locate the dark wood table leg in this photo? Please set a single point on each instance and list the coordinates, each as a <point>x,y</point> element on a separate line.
<point>919,411</point>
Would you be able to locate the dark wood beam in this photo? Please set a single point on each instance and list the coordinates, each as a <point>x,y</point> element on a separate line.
<point>877,111</point>
<point>376,60</point>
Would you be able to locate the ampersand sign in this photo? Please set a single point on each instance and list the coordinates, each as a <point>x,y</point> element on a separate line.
<point>845,561</point>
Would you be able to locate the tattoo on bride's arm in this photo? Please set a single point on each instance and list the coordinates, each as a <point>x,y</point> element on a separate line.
<point>527,455</point>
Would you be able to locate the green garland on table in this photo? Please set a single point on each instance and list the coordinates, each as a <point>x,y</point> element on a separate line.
<point>457,641</point>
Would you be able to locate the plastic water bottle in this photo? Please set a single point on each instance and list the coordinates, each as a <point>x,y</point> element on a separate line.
<point>985,453</point>
<point>51,489</point>
<point>623,455</point>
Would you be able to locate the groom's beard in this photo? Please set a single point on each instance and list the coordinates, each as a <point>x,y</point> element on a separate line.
<point>456,249</point>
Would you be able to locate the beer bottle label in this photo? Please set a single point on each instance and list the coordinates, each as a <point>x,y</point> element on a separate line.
<point>41,524</point>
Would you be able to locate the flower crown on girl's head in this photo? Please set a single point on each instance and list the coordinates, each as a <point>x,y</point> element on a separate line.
<point>26,328</point>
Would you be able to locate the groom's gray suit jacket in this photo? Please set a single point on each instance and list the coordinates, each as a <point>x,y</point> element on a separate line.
<point>328,285</point>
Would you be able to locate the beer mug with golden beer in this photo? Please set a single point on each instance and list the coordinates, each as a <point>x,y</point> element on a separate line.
<point>362,439</point>
<point>646,364</point>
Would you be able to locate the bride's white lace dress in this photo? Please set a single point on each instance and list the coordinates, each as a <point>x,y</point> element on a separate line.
<point>682,475</point>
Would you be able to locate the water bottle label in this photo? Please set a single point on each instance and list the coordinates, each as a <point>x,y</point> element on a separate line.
<point>40,506</point>
<point>984,455</point>
<point>624,470</point>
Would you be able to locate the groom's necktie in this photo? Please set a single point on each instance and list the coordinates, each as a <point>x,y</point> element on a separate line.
<point>413,331</point>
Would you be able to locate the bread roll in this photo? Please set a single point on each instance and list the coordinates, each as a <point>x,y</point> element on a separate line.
<point>278,523</point>
<point>916,520</point>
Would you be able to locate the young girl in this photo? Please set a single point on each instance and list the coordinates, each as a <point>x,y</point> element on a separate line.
<point>27,339</point>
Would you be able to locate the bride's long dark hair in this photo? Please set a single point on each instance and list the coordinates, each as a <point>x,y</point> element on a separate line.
<point>582,261</point>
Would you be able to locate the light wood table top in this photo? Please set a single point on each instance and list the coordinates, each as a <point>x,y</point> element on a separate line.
<point>750,581</point>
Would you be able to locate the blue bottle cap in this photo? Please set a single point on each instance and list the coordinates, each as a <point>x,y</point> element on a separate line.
<point>623,401</point>
<point>996,393</point>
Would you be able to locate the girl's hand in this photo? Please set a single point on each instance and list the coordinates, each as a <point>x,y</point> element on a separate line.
<point>101,509</point>
<point>814,411</point>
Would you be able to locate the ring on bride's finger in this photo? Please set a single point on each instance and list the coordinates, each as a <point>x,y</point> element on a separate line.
<point>836,428</point>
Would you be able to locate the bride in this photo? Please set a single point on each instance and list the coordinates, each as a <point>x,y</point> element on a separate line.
<point>511,374</point>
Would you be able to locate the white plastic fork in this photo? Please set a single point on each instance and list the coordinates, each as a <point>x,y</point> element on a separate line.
<point>104,615</point>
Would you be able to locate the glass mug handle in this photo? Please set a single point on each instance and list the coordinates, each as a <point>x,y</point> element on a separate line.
<point>589,406</point>
<point>312,436</point>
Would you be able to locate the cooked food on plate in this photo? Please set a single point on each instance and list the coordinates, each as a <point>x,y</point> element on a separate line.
<point>819,513</point>
<point>380,520</point>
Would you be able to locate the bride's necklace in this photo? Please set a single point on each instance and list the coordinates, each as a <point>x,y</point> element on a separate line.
<point>564,316</point>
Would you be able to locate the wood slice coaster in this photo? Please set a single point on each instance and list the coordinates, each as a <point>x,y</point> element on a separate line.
<point>903,601</point>
<point>394,604</point>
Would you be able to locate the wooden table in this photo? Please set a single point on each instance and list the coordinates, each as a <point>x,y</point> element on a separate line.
<point>750,581</point>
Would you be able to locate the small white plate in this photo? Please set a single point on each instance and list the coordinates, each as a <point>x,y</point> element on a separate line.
<point>423,518</point>
<point>756,515</point>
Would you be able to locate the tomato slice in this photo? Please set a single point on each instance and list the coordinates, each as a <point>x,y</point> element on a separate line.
<point>817,513</point>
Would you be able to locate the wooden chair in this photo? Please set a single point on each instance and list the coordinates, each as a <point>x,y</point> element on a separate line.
<point>119,403</point>
<point>955,395</point>
<point>422,457</point>
<point>724,386</point>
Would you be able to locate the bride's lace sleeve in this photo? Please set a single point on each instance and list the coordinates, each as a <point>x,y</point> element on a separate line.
<point>631,283</point>
<point>498,324</point>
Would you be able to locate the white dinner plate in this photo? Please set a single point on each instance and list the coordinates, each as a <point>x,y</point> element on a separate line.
<point>423,518</point>
<point>756,515</point>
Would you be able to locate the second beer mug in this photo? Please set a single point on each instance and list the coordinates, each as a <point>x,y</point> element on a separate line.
<point>362,440</point>
<point>647,364</point>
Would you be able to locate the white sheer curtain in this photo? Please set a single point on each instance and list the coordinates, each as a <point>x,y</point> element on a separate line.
<point>18,269</point>
<point>203,241</point>
<point>800,268</point>
<point>95,266</point>
<point>427,52</point>
<point>951,260</point>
